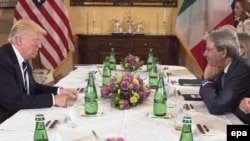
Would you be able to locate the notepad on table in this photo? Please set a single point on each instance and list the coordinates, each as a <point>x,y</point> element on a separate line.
<point>190,82</point>
<point>192,97</point>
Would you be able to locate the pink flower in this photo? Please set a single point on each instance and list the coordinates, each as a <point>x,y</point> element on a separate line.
<point>111,85</point>
<point>125,85</point>
<point>131,63</point>
<point>136,86</point>
<point>115,139</point>
<point>126,91</point>
<point>105,91</point>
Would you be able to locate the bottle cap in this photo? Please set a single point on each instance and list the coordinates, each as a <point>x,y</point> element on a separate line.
<point>187,120</point>
<point>39,117</point>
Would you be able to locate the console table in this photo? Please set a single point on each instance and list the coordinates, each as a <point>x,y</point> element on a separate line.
<point>92,49</point>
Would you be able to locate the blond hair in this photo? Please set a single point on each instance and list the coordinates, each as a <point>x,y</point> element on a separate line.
<point>23,26</point>
<point>244,40</point>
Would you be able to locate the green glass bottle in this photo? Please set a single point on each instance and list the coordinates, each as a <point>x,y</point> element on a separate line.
<point>40,130</point>
<point>186,133</point>
<point>150,59</point>
<point>160,106</point>
<point>91,104</point>
<point>112,60</point>
<point>153,76</point>
<point>106,73</point>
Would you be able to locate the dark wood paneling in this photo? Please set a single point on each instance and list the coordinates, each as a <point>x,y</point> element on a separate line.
<point>94,48</point>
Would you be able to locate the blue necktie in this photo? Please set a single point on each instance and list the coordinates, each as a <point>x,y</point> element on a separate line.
<point>223,80</point>
<point>25,75</point>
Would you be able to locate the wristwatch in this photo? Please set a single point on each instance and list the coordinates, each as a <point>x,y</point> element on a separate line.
<point>206,81</point>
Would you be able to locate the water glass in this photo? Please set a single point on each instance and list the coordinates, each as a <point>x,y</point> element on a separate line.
<point>179,113</point>
<point>71,117</point>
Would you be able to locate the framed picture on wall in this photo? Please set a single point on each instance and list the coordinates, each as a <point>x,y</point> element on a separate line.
<point>8,3</point>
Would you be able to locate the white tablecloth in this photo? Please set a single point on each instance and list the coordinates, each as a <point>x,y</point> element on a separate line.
<point>134,124</point>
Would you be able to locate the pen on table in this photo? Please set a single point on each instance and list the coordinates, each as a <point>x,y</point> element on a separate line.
<point>47,123</point>
<point>206,128</point>
<point>81,90</point>
<point>178,92</point>
<point>172,82</point>
<point>186,107</point>
<point>95,135</point>
<point>200,129</point>
<point>192,107</point>
<point>53,124</point>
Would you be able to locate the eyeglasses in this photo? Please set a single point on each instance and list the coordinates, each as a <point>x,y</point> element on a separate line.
<point>209,49</point>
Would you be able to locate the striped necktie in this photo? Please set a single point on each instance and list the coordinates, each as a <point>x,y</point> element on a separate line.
<point>25,75</point>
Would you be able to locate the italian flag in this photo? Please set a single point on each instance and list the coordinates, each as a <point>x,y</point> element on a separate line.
<point>195,19</point>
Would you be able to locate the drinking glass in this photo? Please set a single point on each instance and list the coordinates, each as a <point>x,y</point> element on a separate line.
<point>71,117</point>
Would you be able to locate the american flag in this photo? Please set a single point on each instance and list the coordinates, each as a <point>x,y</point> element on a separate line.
<point>52,15</point>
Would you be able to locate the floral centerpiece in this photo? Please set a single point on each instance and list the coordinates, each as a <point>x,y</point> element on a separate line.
<point>126,91</point>
<point>131,63</point>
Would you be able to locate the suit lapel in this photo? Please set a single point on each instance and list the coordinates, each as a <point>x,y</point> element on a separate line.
<point>231,68</point>
<point>17,69</point>
<point>19,77</point>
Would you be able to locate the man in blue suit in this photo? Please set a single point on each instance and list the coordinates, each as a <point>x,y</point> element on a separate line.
<point>18,90</point>
<point>227,75</point>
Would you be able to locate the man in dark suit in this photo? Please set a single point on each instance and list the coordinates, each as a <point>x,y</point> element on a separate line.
<point>227,75</point>
<point>18,90</point>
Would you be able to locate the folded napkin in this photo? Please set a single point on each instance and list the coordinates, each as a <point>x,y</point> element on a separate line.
<point>82,113</point>
<point>151,115</point>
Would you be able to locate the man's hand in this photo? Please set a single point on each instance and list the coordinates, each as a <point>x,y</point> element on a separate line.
<point>212,72</point>
<point>61,100</point>
<point>65,96</point>
<point>72,93</point>
<point>245,105</point>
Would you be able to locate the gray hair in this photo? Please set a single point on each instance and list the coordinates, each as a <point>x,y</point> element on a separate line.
<point>225,38</point>
<point>23,26</point>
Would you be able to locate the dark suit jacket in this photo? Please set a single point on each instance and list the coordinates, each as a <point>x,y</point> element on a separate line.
<point>12,96</point>
<point>237,86</point>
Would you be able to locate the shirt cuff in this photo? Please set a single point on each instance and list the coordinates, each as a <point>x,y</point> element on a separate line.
<point>58,90</point>
<point>206,81</point>
<point>53,99</point>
